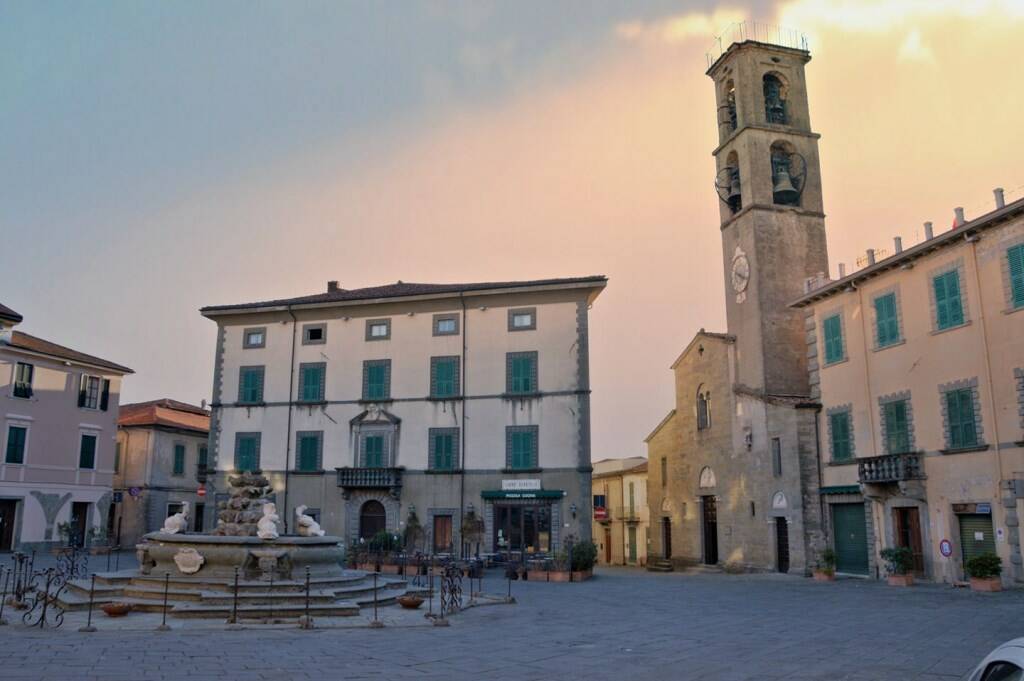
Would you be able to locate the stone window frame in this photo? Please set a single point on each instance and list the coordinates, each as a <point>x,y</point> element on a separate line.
<point>703,397</point>
<point>432,448</point>
<point>446,316</point>
<point>306,328</point>
<point>509,430</point>
<point>434,361</point>
<point>900,335</point>
<point>958,266</point>
<point>1019,375</point>
<point>246,345</point>
<point>367,363</point>
<point>1004,269</point>
<point>319,435</point>
<point>27,392</point>
<point>370,323</point>
<point>901,396</point>
<point>775,447</point>
<point>509,356</point>
<point>979,430</point>
<point>833,312</point>
<point>16,422</point>
<point>385,430</point>
<point>321,392</point>
<point>514,311</point>
<point>259,369</point>
<point>239,436</point>
<point>829,413</point>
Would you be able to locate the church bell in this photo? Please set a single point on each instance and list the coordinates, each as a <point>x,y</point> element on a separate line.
<point>783,190</point>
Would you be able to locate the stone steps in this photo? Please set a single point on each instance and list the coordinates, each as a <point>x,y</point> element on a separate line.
<point>202,611</point>
<point>660,565</point>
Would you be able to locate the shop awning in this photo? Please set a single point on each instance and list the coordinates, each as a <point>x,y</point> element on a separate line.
<point>841,489</point>
<point>531,494</point>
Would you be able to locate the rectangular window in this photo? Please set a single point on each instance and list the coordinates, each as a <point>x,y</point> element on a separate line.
<point>842,449</point>
<point>16,438</point>
<point>179,460</point>
<point>599,501</point>
<point>776,457</point>
<point>446,325</point>
<point>960,414</point>
<point>1015,258</point>
<point>247,451</point>
<point>117,457</point>
<point>444,449</point>
<point>833,329</point>
<point>887,326</point>
<point>523,319</point>
<point>373,451</point>
<point>311,381</point>
<point>93,392</point>
<point>664,472</point>
<point>444,377</point>
<point>250,385</point>
<point>897,427</point>
<point>949,311</point>
<point>521,446</point>
<point>522,372</point>
<point>87,452</point>
<point>377,379</point>
<point>254,338</point>
<point>308,451</point>
<point>314,334</point>
<point>203,460</point>
<point>23,380</point>
<point>378,329</point>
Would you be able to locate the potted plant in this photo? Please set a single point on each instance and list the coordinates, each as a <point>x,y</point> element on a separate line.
<point>984,570</point>
<point>825,570</point>
<point>898,562</point>
<point>584,555</point>
<point>97,539</point>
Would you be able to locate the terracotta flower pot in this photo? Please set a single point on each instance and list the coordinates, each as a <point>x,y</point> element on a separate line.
<point>987,584</point>
<point>410,602</point>
<point>901,580</point>
<point>116,609</point>
<point>823,576</point>
<point>558,576</point>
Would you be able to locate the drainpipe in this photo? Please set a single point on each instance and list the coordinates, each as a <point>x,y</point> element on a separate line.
<point>288,429</point>
<point>463,374</point>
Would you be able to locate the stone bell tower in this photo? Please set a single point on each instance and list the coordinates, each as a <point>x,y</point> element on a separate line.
<point>773,229</point>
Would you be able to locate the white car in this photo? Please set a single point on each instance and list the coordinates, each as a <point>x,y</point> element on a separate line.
<point>1005,663</point>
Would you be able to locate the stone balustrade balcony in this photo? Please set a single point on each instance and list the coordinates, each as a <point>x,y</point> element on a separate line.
<point>353,478</point>
<point>890,468</point>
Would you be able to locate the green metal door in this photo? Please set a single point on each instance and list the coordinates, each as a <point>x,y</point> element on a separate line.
<point>976,535</point>
<point>632,543</point>
<point>851,538</point>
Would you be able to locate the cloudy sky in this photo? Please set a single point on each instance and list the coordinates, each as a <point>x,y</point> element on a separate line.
<point>161,156</point>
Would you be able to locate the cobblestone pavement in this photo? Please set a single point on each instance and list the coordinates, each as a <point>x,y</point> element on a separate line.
<point>622,625</point>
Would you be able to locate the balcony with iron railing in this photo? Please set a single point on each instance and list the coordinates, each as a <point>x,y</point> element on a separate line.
<point>628,514</point>
<point>890,468</point>
<point>370,478</point>
<point>755,31</point>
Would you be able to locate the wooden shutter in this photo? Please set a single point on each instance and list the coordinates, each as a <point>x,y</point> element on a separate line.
<point>841,436</point>
<point>833,339</point>
<point>1015,256</point>
<point>886,323</point>
<point>897,435</point>
<point>105,396</point>
<point>81,390</point>
<point>948,309</point>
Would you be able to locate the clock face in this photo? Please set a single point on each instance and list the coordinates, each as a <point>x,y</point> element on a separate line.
<point>740,272</point>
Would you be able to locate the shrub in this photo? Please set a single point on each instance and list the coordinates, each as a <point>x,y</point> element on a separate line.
<point>898,560</point>
<point>828,559</point>
<point>985,566</point>
<point>383,542</point>
<point>584,555</point>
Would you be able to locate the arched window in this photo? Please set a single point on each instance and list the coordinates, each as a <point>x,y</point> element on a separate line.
<point>727,111</point>
<point>703,409</point>
<point>775,100</point>
<point>788,173</point>
<point>733,194</point>
<point>372,519</point>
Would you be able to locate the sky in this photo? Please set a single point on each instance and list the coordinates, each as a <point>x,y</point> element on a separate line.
<point>161,156</point>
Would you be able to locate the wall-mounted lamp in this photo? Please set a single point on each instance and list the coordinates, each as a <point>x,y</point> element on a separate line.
<point>412,508</point>
<point>572,509</point>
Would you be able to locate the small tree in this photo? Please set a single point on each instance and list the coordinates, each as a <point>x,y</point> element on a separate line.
<point>584,555</point>
<point>898,560</point>
<point>984,566</point>
<point>827,564</point>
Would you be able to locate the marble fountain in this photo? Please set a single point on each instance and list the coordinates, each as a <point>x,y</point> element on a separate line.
<point>245,555</point>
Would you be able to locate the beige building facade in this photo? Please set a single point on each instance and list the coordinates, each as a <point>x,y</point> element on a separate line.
<point>160,464</point>
<point>621,512</point>
<point>918,361</point>
<point>59,420</point>
<point>444,401</point>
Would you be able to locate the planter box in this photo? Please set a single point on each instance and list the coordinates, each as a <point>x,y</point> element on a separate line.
<point>390,569</point>
<point>367,567</point>
<point>558,575</point>
<point>821,576</point>
<point>988,584</point>
<point>582,576</point>
<point>900,580</point>
<point>537,576</point>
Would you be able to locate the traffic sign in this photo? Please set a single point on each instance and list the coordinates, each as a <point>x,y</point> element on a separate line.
<point>946,548</point>
<point>201,492</point>
<point>134,491</point>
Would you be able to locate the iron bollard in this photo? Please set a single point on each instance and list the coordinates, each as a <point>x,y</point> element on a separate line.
<point>5,574</point>
<point>167,585</point>
<point>111,550</point>
<point>234,601</point>
<point>307,623</point>
<point>88,628</point>
<point>376,623</point>
<point>270,599</point>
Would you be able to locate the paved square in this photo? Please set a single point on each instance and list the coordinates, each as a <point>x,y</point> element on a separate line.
<point>623,625</point>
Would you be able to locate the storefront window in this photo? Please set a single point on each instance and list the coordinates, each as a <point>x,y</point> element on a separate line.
<point>522,528</point>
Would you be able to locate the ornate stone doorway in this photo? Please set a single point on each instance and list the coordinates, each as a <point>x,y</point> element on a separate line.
<point>372,519</point>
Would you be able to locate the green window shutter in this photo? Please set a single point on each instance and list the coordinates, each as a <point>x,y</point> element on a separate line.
<point>444,376</point>
<point>373,451</point>
<point>203,457</point>
<point>87,452</point>
<point>179,460</point>
<point>376,379</point>
<point>841,450</point>
<point>247,452</point>
<point>311,382</point>
<point>1015,256</point>
<point>949,310</point>
<point>308,459</point>
<point>16,444</point>
<point>522,372</point>
<point>250,385</point>
<point>522,443</point>
<point>833,339</point>
<point>886,320</point>
<point>897,427</point>
<point>960,414</point>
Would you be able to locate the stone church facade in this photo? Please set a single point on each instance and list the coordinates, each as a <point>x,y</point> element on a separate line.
<point>733,468</point>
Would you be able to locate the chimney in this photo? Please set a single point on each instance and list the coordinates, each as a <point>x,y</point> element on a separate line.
<point>332,287</point>
<point>871,257</point>
<point>959,216</point>
<point>928,233</point>
<point>898,242</point>
<point>1000,199</point>
<point>842,270</point>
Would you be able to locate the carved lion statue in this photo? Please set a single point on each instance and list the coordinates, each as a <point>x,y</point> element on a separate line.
<point>177,522</point>
<point>306,526</point>
<point>266,527</point>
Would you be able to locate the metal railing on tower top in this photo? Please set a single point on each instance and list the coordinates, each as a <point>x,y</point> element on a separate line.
<point>756,31</point>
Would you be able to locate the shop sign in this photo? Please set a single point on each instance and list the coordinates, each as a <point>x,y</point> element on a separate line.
<point>985,509</point>
<point>520,485</point>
